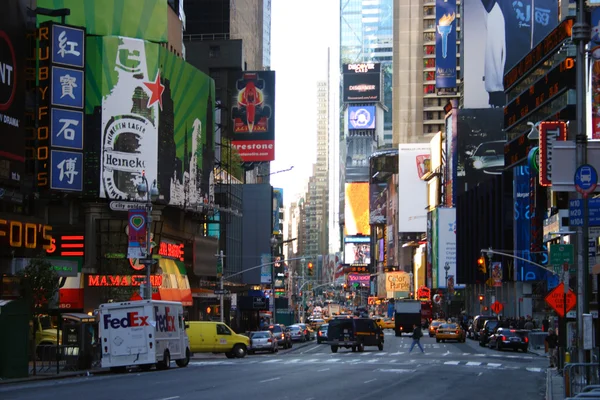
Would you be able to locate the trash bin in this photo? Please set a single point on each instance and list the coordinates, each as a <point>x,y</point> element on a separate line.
<point>14,340</point>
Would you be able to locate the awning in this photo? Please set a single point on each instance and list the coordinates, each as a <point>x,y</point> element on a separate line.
<point>71,294</point>
<point>175,284</point>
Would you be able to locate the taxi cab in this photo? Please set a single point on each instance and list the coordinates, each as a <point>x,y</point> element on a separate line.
<point>384,322</point>
<point>450,331</point>
<point>434,325</point>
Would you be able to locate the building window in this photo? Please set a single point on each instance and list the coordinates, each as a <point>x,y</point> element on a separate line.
<point>429,36</point>
<point>429,63</point>
<point>429,50</point>
<point>429,76</point>
<point>429,89</point>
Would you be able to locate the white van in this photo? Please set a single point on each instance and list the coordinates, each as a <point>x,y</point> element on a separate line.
<point>143,333</point>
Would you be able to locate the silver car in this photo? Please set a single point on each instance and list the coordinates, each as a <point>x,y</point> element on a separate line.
<point>489,157</point>
<point>262,341</point>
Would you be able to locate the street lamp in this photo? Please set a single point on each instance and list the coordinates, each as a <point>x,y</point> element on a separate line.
<point>274,243</point>
<point>447,268</point>
<point>150,195</point>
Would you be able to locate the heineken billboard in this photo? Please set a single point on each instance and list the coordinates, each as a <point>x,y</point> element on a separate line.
<point>152,115</point>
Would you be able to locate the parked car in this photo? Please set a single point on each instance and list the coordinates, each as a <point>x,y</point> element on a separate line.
<point>262,341</point>
<point>296,333</point>
<point>478,322</point>
<point>355,333</point>
<point>282,335</point>
<point>322,333</point>
<point>505,338</point>
<point>489,328</point>
<point>450,331</point>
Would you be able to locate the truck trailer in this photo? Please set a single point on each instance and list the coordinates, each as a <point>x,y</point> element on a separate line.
<point>406,314</point>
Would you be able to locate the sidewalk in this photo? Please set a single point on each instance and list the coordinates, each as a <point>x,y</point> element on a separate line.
<point>53,376</point>
<point>555,384</point>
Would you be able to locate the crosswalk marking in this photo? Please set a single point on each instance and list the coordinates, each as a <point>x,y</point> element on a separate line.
<point>372,361</point>
<point>452,362</point>
<point>530,369</point>
<point>275,360</point>
<point>294,361</point>
<point>494,365</point>
<point>333,360</point>
<point>473,364</point>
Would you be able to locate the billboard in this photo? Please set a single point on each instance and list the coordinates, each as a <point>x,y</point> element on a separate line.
<point>412,164</point>
<point>253,115</point>
<point>357,250</point>
<point>361,117</point>
<point>361,83</point>
<point>136,88</point>
<point>145,19</point>
<point>277,208</point>
<point>13,50</point>
<point>358,151</point>
<point>356,210</point>
<point>382,165</point>
<point>451,164</point>
<point>445,44</point>
<point>397,281</point>
<point>444,245</point>
<point>480,147</point>
<point>496,35</point>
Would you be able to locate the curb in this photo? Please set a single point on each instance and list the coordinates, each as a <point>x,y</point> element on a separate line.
<point>548,385</point>
<point>37,378</point>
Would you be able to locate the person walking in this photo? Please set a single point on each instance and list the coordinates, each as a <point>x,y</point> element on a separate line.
<point>416,337</point>
<point>551,347</point>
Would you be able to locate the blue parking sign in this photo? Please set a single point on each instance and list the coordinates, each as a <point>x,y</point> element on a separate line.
<point>67,87</point>
<point>66,127</point>
<point>68,46</point>
<point>66,171</point>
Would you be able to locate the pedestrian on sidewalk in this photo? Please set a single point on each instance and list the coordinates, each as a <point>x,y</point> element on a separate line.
<point>416,337</point>
<point>551,347</point>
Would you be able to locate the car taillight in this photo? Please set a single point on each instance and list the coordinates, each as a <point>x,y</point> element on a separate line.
<point>282,336</point>
<point>269,340</point>
<point>305,331</point>
<point>501,338</point>
<point>526,339</point>
<point>320,333</point>
<point>457,332</point>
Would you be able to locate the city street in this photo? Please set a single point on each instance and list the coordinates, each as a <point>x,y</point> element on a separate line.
<point>449,370</point>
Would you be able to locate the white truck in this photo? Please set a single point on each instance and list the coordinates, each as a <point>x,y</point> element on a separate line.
<point>407,313</point>
<point>143,333</point>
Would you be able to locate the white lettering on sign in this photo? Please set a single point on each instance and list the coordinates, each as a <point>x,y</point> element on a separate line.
<point>361,68</point>
<point>6,73</point>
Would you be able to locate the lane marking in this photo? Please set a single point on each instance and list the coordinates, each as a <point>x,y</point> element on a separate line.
<point>269,380</point>
<point>531,369</point>
<point>398,371</point>
<point>383,353</point>
<point>473,364</point>
<point>372,361</point>
<point>324,369</point>
<point>479,374</point>
<point>452,362</point>
<point>170,398</point>
<point>494,365</point>
<point>294,361</point>
<point>311,349</point>
<point>333,360</point>
<point>275,360</point>
<point>366,354</point>
<point>372,380</point>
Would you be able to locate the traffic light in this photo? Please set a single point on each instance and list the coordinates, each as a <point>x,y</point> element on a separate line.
<point>310,269</point>
<point>480,299</point>
<point>481,265</point>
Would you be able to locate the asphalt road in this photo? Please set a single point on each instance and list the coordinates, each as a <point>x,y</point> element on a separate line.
<point>311,372</point>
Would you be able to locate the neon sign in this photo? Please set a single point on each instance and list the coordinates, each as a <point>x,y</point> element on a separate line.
<point>172,250</point>
<point>122,280</point>
<point>25,234</point>
<point>67,246</point>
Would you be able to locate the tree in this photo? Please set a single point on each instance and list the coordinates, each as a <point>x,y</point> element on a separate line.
<point>40,285</point>
<point>231,159</point>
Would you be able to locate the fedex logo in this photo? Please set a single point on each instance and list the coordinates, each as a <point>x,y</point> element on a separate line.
<point>166,322</point>
<point>132,320</point>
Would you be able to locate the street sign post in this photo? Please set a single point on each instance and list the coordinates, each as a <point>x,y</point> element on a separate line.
<point>561,254</point>
<point>556,299</point>
<point>586,179</point>
<point>222,292</point>
<point>576,212</point>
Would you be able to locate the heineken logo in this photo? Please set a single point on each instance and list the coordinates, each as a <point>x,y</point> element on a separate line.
<point>137,222</point>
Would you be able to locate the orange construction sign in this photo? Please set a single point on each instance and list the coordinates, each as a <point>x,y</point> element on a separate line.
<point>556,300</point>
<point>497,307</point>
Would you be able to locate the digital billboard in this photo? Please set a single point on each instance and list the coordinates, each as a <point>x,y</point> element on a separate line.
<point>140,100</point>
<point>443,245</point>
<point>361,117</point>
<point>445,44</point>
<point>356,211</point>
<point>412,164</point>
<point>13,51</point>
<point>277,209</point>
<point>383,164</point>
<point>480,147</point>
<point>145,19</point>
<point>496,35</point>
<point>361,83</point>
<point>357,253</point>
<point>358,151</point>
<point>253,115</point>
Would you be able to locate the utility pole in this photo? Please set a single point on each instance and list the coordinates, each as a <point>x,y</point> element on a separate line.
<point>220,275</point>
<point>581,35</point>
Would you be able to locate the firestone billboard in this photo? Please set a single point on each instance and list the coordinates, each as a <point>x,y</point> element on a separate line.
<point>253,115</point>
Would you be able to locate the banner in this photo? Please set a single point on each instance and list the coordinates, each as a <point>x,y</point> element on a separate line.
<point>137,233</point>
<point>497,274</point>
<point>595,44</point>
<point>445,44</point>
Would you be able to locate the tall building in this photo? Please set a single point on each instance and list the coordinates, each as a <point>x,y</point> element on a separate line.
<point>322,167</point>
<point>366,33</point>
<point>418,109</point>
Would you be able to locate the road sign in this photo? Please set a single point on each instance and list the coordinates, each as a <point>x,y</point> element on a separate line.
<point>147,261</point>
<point>561,253</point>
<point>556,300</point>
<point>586,179</point>
<point>222,291</point>
<point>219,267</point>
<point>497,307</point>
<point>576,212</point>
<point>126,205</point>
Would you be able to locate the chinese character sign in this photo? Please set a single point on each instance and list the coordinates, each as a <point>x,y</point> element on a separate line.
<point>68,46</point>
<point>67,171</point>
<point>67,87</point>
<point>67,129</point>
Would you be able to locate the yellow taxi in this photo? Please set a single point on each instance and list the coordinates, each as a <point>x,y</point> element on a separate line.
<point>450,331</point>
<point>434,325</point>
<point>385,322</point>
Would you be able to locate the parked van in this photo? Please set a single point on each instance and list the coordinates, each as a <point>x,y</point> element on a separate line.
<point>478,324</point>
<point>216,337</point>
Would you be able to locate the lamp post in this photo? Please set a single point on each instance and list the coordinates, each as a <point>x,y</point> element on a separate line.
<point>274,243</point>
<point>447,268</point>
<point>151,193</point>
<point>411,286</point>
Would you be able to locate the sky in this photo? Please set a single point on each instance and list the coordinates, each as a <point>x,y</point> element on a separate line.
<point>301,32</point>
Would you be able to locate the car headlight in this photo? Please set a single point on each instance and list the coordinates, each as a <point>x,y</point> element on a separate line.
<point>477,164</point>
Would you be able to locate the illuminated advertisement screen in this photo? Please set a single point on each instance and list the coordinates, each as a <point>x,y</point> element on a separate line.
<point>361,117</point>
<point>356,211</point>
<point>357,251</point>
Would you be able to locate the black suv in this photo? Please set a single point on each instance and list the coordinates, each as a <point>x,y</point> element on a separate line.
<point>478,322</point>
<point>282,334</point>
<point>489,328</point>
<point>354,333</point>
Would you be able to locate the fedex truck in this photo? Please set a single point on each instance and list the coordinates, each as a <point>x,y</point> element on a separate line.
<point>143,333</point>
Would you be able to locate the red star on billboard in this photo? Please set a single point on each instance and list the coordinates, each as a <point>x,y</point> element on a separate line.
<point>157,90</point>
